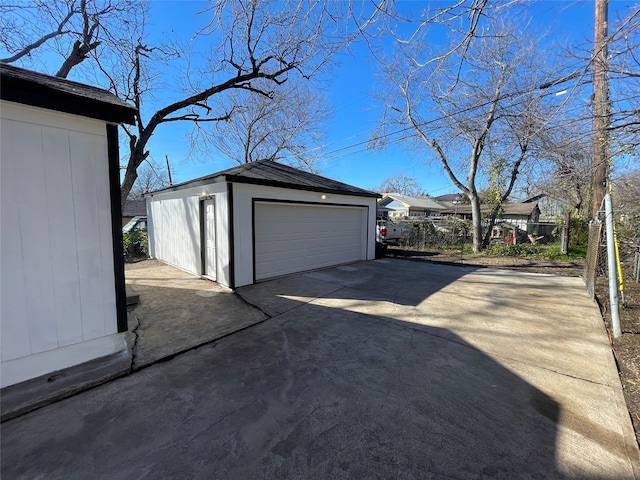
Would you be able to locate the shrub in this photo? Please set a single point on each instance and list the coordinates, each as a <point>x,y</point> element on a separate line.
<point>578,231</point>
<point>550,252</point>
<point>518,250</point>
<point>136,245</point>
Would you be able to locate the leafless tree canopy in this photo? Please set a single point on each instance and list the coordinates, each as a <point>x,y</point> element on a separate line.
<point>477,109</point>
<point>402,184</point>
<point>74,29</point>
<point>245,48</point>
<point>566,177</point>
<point>286,126</point>
<point>151,176</point>
<point>624,70</point>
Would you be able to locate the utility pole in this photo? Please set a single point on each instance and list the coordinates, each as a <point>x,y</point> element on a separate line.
<point>601,108</point>
<point>168,170</point>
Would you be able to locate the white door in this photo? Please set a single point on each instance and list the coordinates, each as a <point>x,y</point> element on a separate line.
<point>209,239</point>
<point>291,238</point>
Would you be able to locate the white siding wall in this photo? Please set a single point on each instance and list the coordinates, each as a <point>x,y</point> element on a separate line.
<point>174,229</point>
<point>57,284</point>
<point>174,225</point>
<point>243,196</point>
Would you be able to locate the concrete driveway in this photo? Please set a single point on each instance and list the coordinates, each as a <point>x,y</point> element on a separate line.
<point>384,369</point>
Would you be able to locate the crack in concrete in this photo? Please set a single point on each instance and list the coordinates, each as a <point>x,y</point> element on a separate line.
<point>515,360</point>
<point>462,344</point>
<point>257,307</point>
<point>134,347</point>
<point>568,375</point>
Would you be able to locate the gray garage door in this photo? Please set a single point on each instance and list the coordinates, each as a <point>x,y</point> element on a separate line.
<point>291,238</point>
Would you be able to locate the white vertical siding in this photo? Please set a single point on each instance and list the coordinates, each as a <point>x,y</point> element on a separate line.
<point>174,226</point>
<point>176,232</point>
<point>174,229</point>
<point>56,245</point>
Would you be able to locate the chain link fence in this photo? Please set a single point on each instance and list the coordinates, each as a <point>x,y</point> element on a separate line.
<point>627,245</point>
<point>447,232</point>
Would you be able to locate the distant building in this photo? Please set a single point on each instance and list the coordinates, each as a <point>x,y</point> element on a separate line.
<point>133,208</point>
<point>401,206</point>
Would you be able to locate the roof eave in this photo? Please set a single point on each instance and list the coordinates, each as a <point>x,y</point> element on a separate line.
<point>294,186</point>
<point>27,91</point>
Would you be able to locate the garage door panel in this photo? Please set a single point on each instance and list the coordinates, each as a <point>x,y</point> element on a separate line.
<point>292,238</point>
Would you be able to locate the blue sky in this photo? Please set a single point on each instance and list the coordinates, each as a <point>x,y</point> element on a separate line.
<point>355,113</point>
<point>349,87</point>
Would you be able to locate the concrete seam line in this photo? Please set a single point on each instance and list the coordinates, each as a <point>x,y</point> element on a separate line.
<point>593,382</point>
<point>196,347</point>
<point>257,307</point>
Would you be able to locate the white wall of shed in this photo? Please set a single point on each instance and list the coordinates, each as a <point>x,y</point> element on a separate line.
<point>243,196</point>
<point>33,366</point>
<point>57,285</point>
<point>175,231</point>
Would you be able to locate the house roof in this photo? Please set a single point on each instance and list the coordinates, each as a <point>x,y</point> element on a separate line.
<point>449,197</point>
<point>411,202</point>
<point>134,208</point>
<point>535,198</point>
<point>62,95</point>
<point>274,174</point>
<point>507,209</point>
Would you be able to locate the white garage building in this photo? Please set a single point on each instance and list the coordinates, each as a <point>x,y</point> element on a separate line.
<point>258,221</point>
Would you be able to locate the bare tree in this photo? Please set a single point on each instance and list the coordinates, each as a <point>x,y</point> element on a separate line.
<point>626,190</point>
<point>73,28</point>
<point>624,80</point>
<point>151,176</point>
<point>253,46</point>
<point>402,184</point>
<point>285,127</point>
<point>262,46</point>
<point>470,107</point>
<point>567,176</point>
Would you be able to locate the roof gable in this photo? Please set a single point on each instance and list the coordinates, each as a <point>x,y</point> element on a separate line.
<point>62,95</point>
<point>274,174</point>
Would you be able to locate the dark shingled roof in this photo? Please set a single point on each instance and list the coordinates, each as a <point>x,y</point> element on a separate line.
<point>507,209</point>
<point>62,95</point>
<point>134,208</point>
<point>274,174</point>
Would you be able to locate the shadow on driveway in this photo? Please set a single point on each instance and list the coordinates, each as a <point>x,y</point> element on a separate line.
<point>349,378</point>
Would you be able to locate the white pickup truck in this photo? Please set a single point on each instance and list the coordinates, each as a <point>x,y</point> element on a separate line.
<point>387,233</point>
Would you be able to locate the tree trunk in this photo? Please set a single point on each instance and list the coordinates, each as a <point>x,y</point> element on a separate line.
<point>477,221</point>
<point>130,177</point>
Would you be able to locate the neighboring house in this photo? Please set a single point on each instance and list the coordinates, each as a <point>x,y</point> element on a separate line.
<point>260,220</point>
<point>63,292</point>
<point>133,208</point>
<point>521,215</point>
<point>403,206</point>
<point>450,200</point>
<point>550,209</point>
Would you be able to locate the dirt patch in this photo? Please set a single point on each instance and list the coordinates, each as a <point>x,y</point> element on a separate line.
<point>626,348</point>
<point>571,268</point>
